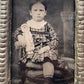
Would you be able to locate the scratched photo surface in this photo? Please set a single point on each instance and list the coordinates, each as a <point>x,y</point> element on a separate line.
<point>43,56</point>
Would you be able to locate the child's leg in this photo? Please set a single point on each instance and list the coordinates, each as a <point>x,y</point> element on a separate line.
<point>33,73</point>
<point>48,70</point>
<point>33,65</point>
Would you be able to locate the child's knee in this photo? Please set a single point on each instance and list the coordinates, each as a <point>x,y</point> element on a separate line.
<point>48,69</point>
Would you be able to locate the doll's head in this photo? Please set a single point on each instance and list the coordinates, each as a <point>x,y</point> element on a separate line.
<point>38,11</point>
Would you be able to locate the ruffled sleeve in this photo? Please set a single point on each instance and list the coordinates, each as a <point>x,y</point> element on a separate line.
<point>16,33</point>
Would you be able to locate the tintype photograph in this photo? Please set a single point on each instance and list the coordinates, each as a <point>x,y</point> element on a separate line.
<point>43,36</point>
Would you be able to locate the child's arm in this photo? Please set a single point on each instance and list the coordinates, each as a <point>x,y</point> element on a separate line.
<point>16,33</point>
<point>19,38</point>
<point>53,37</point>
<point>53,41</point>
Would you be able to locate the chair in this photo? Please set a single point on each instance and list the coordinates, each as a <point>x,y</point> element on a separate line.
<point>61,75</point>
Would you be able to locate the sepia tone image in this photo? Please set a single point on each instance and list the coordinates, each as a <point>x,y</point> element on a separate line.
<point>43,35</point>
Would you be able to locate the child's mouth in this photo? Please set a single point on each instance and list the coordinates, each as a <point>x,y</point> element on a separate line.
<point>38,16</point>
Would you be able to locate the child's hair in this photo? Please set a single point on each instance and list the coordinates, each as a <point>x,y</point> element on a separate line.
<point>34,2</point>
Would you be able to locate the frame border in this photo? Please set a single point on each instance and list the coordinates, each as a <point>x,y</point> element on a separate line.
<point>4,25</point>
<point>79,42</point>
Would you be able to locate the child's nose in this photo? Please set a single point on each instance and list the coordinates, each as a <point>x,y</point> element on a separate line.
<point>38,12</point>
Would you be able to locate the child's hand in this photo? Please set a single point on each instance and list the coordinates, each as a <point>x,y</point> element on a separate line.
<point>17,44</point>
<point>44,49</point>
<point>20,42</point>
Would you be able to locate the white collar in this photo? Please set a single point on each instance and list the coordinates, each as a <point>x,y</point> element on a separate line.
<point>34,24</point>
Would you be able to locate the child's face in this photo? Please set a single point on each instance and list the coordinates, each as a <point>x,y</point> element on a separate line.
<point>38,12</point>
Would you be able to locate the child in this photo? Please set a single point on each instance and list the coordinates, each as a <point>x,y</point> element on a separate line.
<point>39,39</point>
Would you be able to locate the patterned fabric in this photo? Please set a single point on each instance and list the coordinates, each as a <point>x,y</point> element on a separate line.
<point>45,42</point>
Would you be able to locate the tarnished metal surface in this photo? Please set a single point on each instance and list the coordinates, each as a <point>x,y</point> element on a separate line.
<point>3,41</point>
<point>79,45</point>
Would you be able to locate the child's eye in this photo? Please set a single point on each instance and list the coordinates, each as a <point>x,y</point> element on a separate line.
<point>35,9</point>
<point>41,10</point>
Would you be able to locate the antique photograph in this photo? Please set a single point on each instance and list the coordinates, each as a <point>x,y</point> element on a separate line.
<point>43,37</point>
<point>41,41</point>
